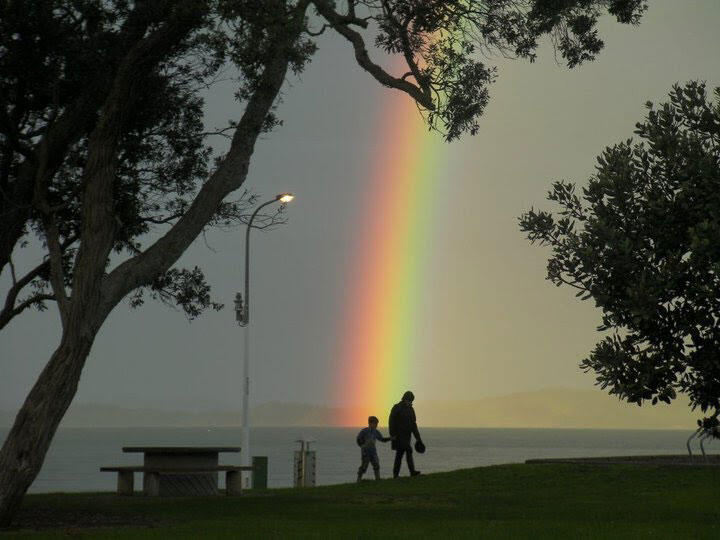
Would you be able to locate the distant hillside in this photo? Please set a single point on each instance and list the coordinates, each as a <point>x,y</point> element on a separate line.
<point>270,414</point>
<point>557,408</point>
<point>552,408</point>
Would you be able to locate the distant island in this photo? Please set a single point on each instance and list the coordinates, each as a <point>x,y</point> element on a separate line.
<point>551,408</point>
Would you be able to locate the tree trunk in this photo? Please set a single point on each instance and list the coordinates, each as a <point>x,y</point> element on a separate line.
<point>24,450</point>
<point>95,294</point>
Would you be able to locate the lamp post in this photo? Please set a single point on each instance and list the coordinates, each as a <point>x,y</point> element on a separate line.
<point>242,315</point>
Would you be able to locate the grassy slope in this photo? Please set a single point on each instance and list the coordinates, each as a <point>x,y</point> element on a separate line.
<point>509,501</point>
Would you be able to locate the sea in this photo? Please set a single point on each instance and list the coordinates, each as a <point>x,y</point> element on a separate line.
<point>76,454</point>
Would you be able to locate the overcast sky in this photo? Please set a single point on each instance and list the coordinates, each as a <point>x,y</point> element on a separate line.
<point>497,325</point>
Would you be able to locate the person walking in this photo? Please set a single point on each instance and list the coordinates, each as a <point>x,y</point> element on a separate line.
<point>403,425</point>
<point>368,454</point>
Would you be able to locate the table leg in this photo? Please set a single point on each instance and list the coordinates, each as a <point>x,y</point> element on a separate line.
<point>233,482</point>
<point>125,482</point>
<point>151,484</point>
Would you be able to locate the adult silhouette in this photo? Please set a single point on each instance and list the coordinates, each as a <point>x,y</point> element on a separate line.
<point>403,425</point>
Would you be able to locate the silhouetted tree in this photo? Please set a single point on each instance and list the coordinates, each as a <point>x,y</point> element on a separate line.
<point>642,241</point>
<point>101,138</point>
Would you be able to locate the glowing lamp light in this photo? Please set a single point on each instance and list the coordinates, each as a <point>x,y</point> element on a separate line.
<point>285,197</point>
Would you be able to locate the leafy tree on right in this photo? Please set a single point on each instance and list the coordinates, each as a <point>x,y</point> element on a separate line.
<point>643,241</point>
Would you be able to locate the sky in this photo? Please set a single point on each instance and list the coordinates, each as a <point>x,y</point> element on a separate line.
<point>488,323</point>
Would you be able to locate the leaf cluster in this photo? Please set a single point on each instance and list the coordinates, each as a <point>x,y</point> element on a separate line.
<point>642,242</point>
<point>445,41</point>
<point>57,61</point>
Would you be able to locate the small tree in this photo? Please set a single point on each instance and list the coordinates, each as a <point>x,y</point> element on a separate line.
<point>101,139</point>
<point>643,242</point>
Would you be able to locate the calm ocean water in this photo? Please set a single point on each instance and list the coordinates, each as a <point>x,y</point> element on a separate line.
<point>76,454</point>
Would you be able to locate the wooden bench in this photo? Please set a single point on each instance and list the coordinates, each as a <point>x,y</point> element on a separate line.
<point>151,484</point>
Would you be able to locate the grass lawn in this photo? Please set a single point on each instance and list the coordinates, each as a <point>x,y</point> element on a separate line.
<point>508,501</point>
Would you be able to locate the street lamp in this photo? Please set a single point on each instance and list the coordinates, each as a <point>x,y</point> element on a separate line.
<point>242,315</point>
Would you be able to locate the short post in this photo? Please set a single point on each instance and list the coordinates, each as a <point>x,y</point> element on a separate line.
<point>260,472</point>
<point>125,482</point>
<point>151,484</point>
<point>233,483</point>
<point>304,468</point>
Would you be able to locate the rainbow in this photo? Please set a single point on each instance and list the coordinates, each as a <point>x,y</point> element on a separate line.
<point>387,275</point>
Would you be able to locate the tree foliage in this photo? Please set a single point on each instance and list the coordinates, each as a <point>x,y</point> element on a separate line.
<point>59,58</point>
<point>641,240</point>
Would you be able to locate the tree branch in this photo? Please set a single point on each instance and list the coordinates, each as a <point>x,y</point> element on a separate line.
<point>6,315</point>
<point>229,176</point>
<point>162,221</point>
<point>57,278</point>
<point>402,30</point>
<point>9,310</point>
<point>223,132</point>
<point>12,271</point>
<point>340,23</point>
<point>98,218</point>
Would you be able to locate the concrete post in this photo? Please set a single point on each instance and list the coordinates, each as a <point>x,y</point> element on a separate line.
<point>260,472</point>
<point>125,482</point>
<point>233,482</point>
<point>151,484</point>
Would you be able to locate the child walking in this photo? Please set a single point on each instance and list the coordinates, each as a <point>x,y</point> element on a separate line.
<point>368,454</point>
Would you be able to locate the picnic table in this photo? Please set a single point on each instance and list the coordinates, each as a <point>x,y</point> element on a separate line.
<point>179,471</point>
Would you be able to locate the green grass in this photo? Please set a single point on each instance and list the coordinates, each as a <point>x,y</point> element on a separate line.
<point>509,501</point>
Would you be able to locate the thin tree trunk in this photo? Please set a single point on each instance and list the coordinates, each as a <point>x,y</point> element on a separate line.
<point>25,447</point>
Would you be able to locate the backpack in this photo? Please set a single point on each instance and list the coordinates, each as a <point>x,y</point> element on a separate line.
<point>360,439</point>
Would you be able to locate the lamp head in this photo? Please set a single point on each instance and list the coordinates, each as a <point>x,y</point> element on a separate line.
<point>285,197</point>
